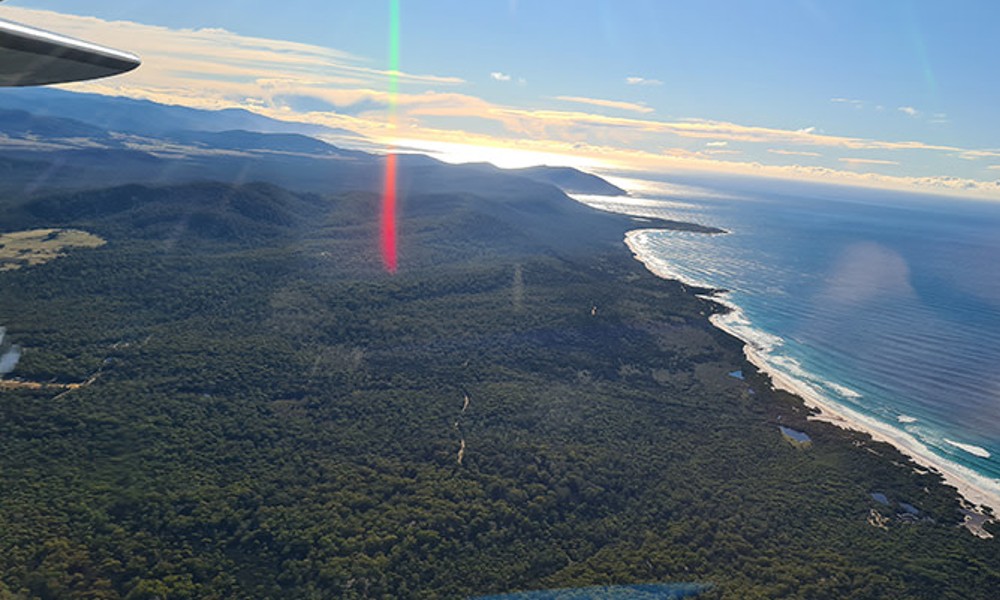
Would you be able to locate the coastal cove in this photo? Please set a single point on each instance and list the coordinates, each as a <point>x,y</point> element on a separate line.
<point>971,486</point>
<point>670,256</point>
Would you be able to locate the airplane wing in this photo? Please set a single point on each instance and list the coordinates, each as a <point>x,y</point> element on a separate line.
<point>30,56</point>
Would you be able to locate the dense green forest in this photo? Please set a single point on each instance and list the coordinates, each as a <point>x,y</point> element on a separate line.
<point>523,406</point>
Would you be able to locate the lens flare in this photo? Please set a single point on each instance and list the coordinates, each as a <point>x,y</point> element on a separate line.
<point>388,229</point>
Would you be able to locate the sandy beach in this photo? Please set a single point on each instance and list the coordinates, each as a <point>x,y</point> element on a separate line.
<point>974,488</point>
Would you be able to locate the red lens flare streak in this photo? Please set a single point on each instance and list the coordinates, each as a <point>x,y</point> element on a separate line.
<point>388,228</point>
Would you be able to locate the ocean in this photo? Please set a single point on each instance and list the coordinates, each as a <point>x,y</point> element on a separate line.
<point>882,308</point>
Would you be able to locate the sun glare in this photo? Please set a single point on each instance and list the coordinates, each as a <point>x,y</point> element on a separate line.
<point>503,157</point>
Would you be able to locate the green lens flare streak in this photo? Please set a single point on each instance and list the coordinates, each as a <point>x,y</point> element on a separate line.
<point>389,258</point>
<point>393,56</point>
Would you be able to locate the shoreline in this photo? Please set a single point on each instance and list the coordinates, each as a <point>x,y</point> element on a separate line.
<point>960,477</point>
<point>971,487</point>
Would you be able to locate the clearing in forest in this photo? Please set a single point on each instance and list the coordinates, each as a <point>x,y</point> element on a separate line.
<point>39,246</point>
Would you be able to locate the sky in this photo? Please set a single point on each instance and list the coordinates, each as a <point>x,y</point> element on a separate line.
<point>900,94</point>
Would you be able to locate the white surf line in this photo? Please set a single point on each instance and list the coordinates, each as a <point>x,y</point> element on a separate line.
<point>973,487</point>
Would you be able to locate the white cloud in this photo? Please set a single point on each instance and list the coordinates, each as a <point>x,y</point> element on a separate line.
<point>858,104</point>
<point>216,56</point>
<point>977,154</point>
<point>215,69</point>
<point>793,152</point>
<point>642,81</point>
<point>909,110</point>
<point>621,105</point>
<point>867,161</point>
<point>526,121</point>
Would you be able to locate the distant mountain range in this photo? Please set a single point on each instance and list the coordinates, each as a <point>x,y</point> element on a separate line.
<point>115,113</point>
<point>242,140</point>
<point>142,174</point>
<point>19,123</point>
<point>87,141</point>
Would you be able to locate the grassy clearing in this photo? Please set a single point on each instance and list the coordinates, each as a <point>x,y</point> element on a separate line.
<point>39,246</point>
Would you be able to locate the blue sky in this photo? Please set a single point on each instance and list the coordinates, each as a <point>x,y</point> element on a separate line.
<point>895,93</point>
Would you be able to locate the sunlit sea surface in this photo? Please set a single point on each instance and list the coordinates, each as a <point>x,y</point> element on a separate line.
<point>882,304</point>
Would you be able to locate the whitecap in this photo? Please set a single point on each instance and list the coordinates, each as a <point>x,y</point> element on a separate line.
<point>736,323</point>
<point>973,450</point>
<point>906,419</point>
<point>843,390</point>
<point>640,242</point>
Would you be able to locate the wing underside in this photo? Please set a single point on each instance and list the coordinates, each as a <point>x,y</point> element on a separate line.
<point>30,56</point>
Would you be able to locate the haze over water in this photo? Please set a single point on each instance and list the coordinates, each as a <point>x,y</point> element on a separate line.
<point>888,305</point>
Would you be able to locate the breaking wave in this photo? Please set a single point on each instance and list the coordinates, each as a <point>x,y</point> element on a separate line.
<point>971,449</point>
<point>836,402</point>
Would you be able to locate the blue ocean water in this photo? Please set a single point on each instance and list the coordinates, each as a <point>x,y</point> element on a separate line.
<point>879,303</point>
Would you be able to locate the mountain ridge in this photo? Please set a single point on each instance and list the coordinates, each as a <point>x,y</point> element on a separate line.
<point>116,126</point>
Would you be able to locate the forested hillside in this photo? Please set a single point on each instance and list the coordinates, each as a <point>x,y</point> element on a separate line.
<point>264,412</point>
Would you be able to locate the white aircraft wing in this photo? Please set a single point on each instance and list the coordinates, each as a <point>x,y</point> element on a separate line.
<point>30,56</point>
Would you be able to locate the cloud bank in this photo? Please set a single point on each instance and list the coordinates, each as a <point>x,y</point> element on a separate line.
<point>214,69</point>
